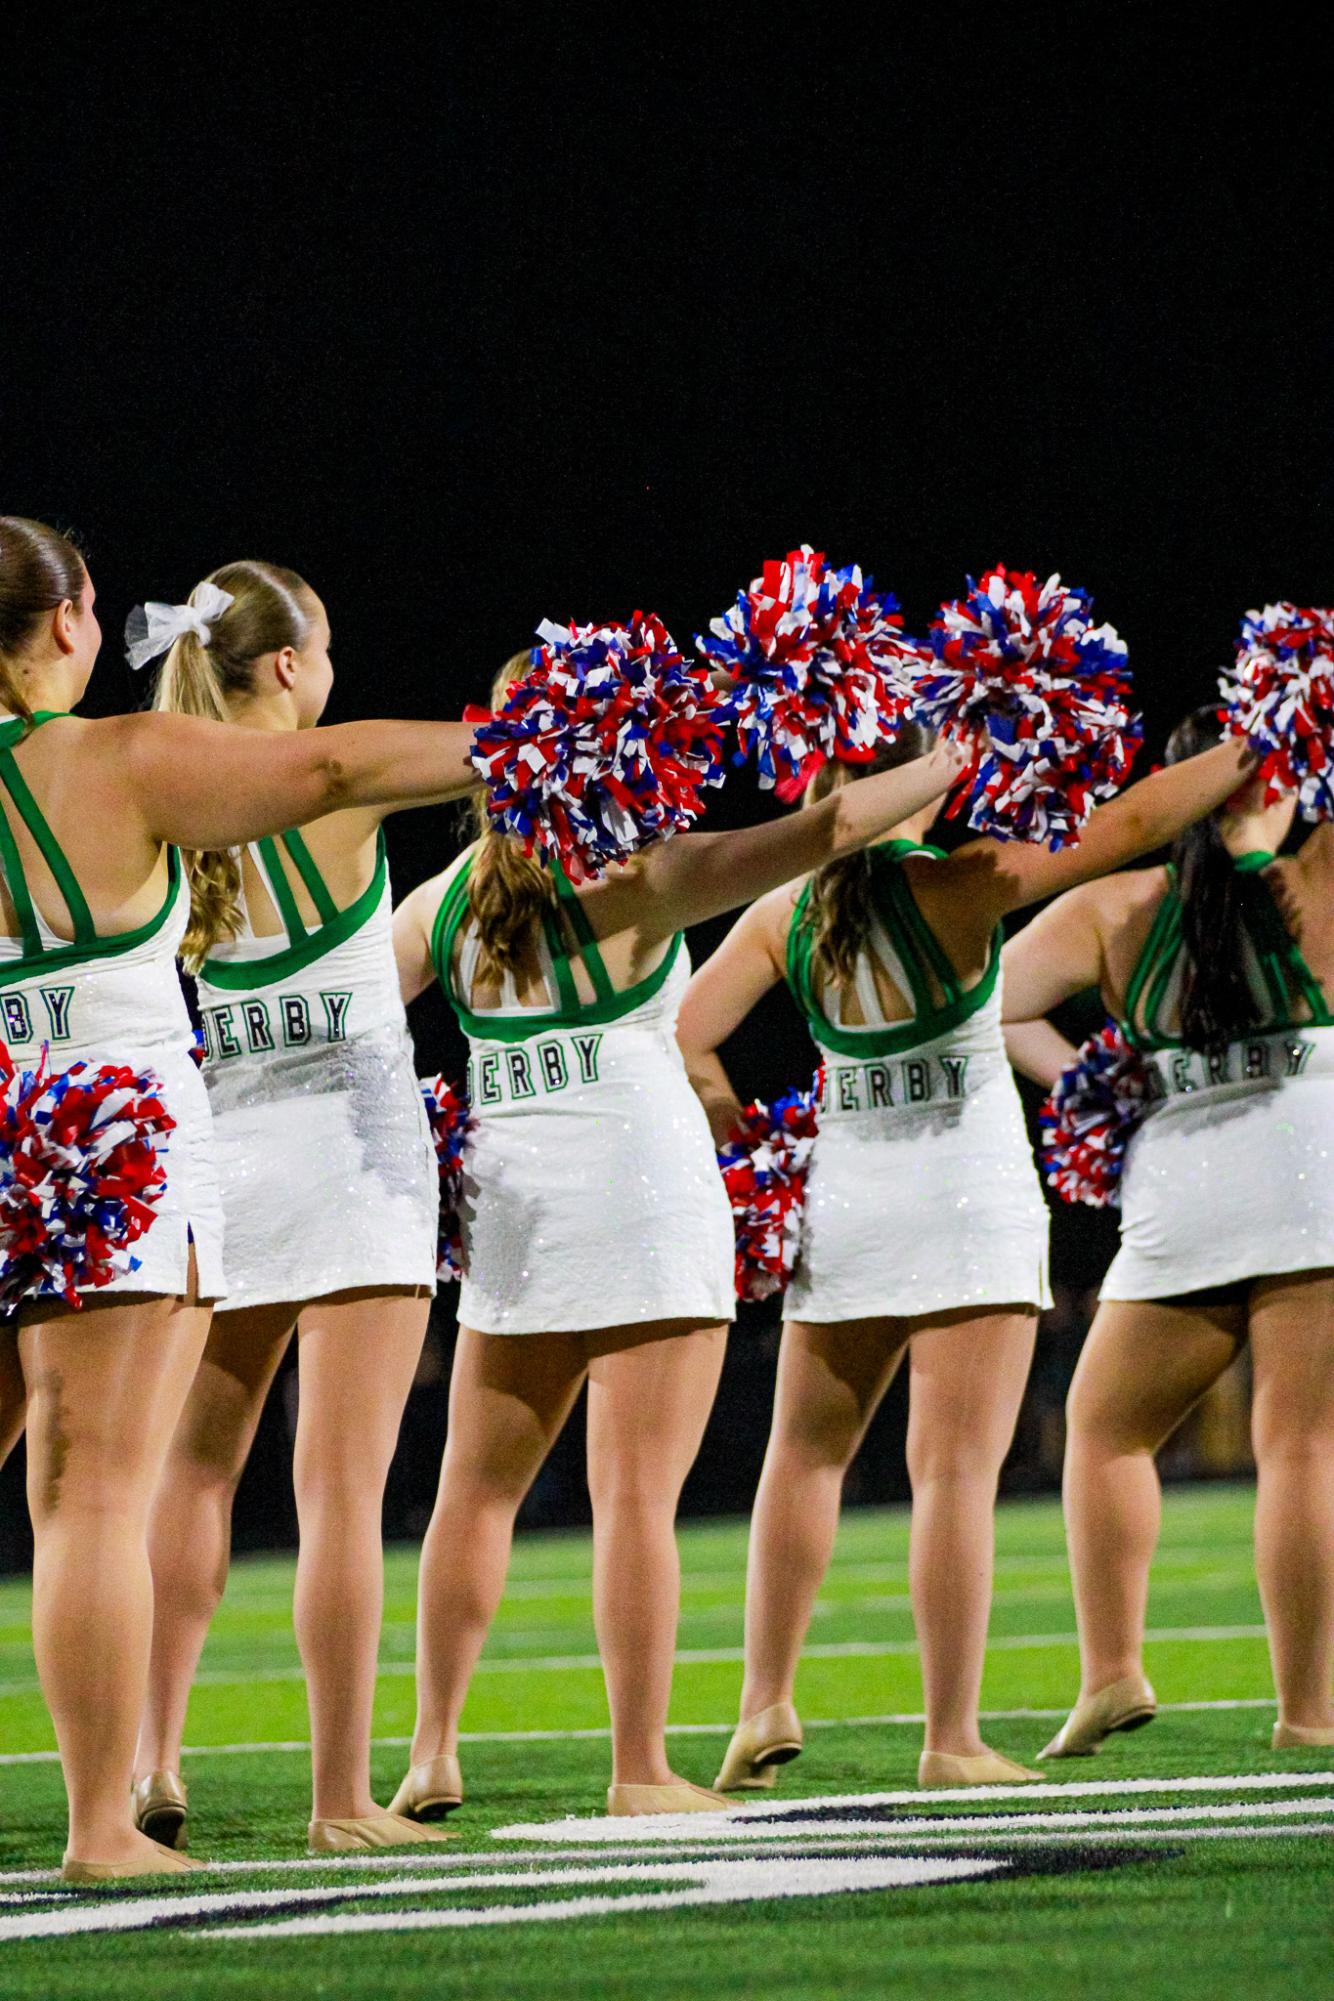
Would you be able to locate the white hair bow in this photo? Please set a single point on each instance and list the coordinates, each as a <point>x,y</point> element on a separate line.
<point>152,628</point>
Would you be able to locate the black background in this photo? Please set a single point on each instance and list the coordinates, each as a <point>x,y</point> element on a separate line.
<point>477,320</point>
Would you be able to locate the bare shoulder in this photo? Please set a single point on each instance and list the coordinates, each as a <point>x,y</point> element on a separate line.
<point>1316,855</point>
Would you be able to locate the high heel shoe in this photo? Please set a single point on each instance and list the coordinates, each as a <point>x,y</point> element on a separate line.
<point>1127,1704</point>
<point>371,1830</point>
<point>988,1768</point>
<point>679,1797</point>
<point>431,1789</point>
<point>760,1744</point>
<point>160,1808</point>
<point>1301,1736</point>
<point>167,1862</point>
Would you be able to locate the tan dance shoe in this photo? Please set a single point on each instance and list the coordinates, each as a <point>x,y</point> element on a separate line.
<point>431,1789</point>
<point>371,1830</point>
<point>1301,1736</point>
<point>160,1809</point>
<point>1123,1705</point>
<point>677,1798</point>
<point>988,1768</point>
<point>760,1744</point>
<point>165,1863</point>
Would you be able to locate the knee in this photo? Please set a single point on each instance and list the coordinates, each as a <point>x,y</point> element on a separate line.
<point>953,1464</point>
<point>643,1491</point>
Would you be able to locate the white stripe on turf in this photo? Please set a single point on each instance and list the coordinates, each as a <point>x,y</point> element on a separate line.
<point>906,1717</point>
<point>681,1829</point>
<point>832,1650</point>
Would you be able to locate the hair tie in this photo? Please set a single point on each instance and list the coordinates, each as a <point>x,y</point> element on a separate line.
<point>152,628</point>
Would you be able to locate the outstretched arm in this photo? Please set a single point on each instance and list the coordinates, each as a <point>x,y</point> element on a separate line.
<point>697,876</point>
<point>721,995</point>
<point>1059,954</point>
<point>414,920</point>
<point>1038,1051</point>
<point>211,785</point>
<point>1145,816</point>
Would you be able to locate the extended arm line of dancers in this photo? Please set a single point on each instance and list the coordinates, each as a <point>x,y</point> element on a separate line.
<point>178,1206</point>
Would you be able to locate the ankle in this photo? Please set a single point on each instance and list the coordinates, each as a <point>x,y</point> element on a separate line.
<point>957,1741</point>
<point>1095,1680</point>
<point>429,1744</point>
<point>646,1769</point>
<point>755,1701</point>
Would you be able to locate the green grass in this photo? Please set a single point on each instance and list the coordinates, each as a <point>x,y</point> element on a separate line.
<point>1179,1917</point>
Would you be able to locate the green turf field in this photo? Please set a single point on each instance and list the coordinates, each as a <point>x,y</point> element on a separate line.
<point>1220,1885</point>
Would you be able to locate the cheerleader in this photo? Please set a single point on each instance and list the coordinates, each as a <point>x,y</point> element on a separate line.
<point>94,906</point>
<point>330,1199</point>
<point>1220,969</point>
<point>924,1233</point>
<point>597,1240</point>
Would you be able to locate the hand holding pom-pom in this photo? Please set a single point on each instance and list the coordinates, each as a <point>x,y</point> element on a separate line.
<point>820,665</point>
<point>450,1120</point>
<point>1039,696</point>
<point>1088,1120</point>
<point>603,746</point>
<point>81,1175</point>
<point>1279,695</point>
<point>764,1164</point>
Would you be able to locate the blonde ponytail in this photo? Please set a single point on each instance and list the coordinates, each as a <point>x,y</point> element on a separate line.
<point>507,889</point>
<point>269,610</point>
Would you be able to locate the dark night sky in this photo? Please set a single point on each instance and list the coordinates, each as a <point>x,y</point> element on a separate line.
<point>476,324</point>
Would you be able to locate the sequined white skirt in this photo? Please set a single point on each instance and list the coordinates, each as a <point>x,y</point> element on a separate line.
<point>924,1209</point>
<point>190,1212</point>
<point>1231,1183</point>
<point>601,1206</point>
<point>327,1170</point>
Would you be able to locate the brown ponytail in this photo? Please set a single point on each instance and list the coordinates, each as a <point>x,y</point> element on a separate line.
<point>839,908</point>
<point>270,609</point>
<point>39,569</point>
<point>507,889</point>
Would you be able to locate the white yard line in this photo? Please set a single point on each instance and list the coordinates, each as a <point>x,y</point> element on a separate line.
<point>681,1830</point>
<point>600,1732</point>
<point>830,1650</point>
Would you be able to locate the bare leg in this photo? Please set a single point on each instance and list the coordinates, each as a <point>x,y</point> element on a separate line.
<point>1144,1365</point>
<point>831,1378</point>
<point>105,1389</point>
<point>649,1398</point>
<point>13,1393</point>
<point>191,1529</point>
<point>968,1373</point>
<point>1292,1346</point>
<point>509,1397</point>
<point>358,1355</point>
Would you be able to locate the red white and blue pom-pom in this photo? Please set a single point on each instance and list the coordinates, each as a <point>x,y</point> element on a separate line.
<point>450,1121</point>
<point>81,1175</point>
<point>1088,1120</point>
<point>603,746</point>
<point>822,668</point>
<point>1279,695</point>
<point>1040,698</point>
<point>764,1163</point>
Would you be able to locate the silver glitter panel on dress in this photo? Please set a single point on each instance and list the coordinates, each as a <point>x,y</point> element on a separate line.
<point>375,1072</point>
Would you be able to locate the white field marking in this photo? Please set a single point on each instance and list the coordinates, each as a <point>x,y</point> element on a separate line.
<point>1182,1556</point>
<point>426,1868</point>
<point>682,1830</point>
<point>831,1650</point>
<point>726,1880</point>
<point>824,1608</point>
<point>769,1811</point>
<point>600,1732</point>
